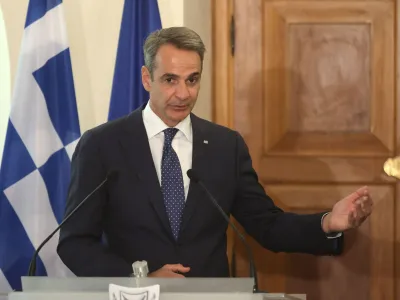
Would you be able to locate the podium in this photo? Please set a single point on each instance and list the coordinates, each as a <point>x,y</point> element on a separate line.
<point>90,288</point>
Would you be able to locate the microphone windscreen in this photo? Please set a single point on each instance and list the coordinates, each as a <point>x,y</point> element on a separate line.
<point>193,175</point>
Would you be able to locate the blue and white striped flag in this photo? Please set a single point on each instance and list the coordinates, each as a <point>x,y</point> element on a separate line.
<point>42,133</point>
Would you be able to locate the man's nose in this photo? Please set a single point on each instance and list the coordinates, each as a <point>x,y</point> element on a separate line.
<point>182,91</point>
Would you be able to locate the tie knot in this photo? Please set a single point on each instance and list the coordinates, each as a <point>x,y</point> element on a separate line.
<point>169,134</point>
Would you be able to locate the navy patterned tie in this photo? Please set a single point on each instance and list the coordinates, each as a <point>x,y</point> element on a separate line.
<point>172,182</point>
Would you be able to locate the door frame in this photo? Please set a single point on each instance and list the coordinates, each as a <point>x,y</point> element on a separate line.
<point>222,63</point>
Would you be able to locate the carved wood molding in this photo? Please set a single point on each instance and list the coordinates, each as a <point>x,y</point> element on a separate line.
<point>222,65</point>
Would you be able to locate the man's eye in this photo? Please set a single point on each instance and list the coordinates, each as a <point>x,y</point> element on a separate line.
<point>192,80</point>
<point>169,80</point>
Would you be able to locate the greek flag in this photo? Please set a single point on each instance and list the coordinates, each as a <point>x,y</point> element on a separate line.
<point>42,133</point>
<point>139,19</point>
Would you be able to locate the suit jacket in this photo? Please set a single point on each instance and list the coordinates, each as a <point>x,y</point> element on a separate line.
<point>130,212</point>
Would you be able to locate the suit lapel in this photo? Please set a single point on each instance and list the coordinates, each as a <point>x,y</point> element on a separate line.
<point>199,164</point>
<point>137,151</point>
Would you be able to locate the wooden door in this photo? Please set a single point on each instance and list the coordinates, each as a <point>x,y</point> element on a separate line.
<point>312,88</point>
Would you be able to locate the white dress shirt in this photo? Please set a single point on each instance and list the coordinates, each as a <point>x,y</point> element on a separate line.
<point>182,142</point>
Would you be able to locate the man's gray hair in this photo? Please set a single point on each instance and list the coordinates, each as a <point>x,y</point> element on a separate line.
<point>180,37</point>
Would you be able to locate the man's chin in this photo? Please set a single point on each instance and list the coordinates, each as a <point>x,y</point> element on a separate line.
<point>178,116</point>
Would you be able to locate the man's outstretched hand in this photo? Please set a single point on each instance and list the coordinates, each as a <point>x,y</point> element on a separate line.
<point>350,212</point>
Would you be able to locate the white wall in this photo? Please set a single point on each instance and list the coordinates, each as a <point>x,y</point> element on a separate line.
<point>5,82</point>
<point>93,31</point>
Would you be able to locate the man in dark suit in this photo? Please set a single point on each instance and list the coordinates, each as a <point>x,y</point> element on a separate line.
<point>151,211</point>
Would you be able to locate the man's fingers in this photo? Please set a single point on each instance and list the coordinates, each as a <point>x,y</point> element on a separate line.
<point>353,197</point>
<point>352,217</point>
<point>366,205</point>
<point>177,268</point>
<point>362,191</point>
<point>362,209</point>
<point>368,201</point>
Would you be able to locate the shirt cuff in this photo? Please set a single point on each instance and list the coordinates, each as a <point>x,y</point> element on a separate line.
<point>333,235</point>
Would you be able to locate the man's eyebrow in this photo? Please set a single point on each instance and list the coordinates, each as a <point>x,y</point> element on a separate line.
<point>194,74</point>
<point>169,75</point>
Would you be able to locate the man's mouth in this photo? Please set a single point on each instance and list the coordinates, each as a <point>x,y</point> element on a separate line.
<point>179,107</point>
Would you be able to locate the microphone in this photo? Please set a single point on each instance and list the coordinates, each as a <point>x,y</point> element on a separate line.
<point>253,272</point>
<point>32,266</point>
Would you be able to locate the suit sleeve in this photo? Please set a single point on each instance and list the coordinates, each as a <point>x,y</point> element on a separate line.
<point>80,244</point>
<point>273,228</point>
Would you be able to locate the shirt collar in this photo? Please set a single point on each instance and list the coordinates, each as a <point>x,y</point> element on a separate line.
<point>154,125</point>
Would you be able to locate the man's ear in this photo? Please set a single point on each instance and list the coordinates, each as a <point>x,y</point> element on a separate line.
<point>146,78</point>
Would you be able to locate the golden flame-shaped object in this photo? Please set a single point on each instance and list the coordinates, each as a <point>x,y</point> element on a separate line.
<point>392,167</point>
